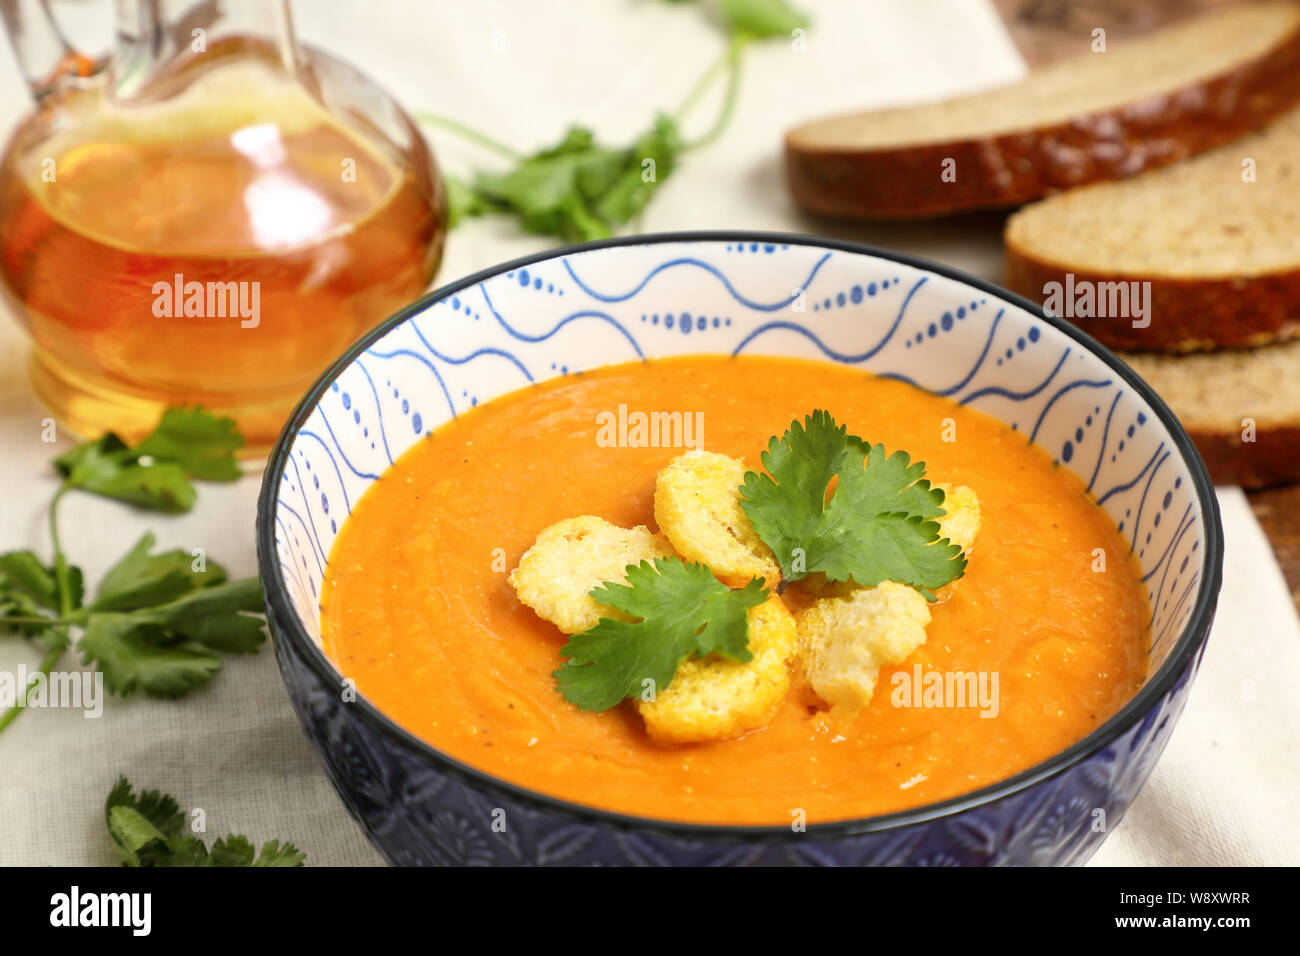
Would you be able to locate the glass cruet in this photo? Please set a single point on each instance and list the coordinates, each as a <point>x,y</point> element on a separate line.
<point>209,214</point>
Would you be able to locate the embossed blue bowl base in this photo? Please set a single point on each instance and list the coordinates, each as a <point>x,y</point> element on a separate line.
<point>646,297</point>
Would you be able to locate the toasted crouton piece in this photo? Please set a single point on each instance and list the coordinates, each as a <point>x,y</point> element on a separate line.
<point>714,697</point>
<point>962,522</point>
<point>697,505</point>
<point>570,558</point>
<point>844,641</point>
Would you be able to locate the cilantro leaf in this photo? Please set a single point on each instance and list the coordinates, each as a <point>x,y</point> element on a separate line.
<point>238,851</point>
<point>24,574</point>
<point>165,650</point>
<point>683,611</point>
<point>201,444</point>
<point>29,592</point>
<point>182,850</point>
<point>578,189</point>
<point>103,468</point>
<point>105,446</point>
<point>628,192</point>
<point>158,808</point>
<point>892,482</point>
<point>18,611</point>
<point>233,851</point>
<point>131,833</point>
<point>875,524</point>
<point>141,579</point>
<point>275,853</point>
<point>216,616</point>
<point>21,572</point>
<point>188,443</point>
<point>136,822</point>
<point>148,831</point>
<point>805,460</point>
<point>133,657</point>
<point>463,201</point>
<point>763,18</point>
<point>760,18</point>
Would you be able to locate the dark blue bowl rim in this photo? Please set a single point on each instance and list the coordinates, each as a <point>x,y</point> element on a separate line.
<point>286,626</point>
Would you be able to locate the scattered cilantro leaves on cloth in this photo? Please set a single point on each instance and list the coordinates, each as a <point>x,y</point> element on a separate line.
<point>148,830</point>
<point>683,611</point>
<point>580,189</point>
<point>876,524</point>
<point>140,579</point>
<point>158,620</point>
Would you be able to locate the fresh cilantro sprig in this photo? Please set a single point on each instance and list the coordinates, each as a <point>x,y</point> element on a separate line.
<point>682,611</point>
<point>148,830</point>
<point>876,524</point>
<point>158,620</point>
<point>155,474</point>
<point>580,189</point>
<point>577,189</point>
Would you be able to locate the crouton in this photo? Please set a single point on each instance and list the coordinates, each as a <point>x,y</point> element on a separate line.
<point>570,558</point>
<point>697,505</point>
<point>844,641</point>
<point>714,697</point>
<point>962,522</point>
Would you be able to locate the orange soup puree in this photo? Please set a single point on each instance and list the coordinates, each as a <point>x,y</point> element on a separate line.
<point>417,610</point>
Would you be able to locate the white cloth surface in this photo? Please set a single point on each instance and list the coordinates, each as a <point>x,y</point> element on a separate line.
<point>1224,791</point>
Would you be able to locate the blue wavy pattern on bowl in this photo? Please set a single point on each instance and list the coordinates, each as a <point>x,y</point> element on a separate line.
<point>754,295</point>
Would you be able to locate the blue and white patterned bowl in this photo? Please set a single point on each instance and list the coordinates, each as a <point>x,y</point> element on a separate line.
<point>730,293</point>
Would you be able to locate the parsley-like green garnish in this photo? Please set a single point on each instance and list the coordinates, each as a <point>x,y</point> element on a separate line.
<point>188,443</point>
<point>579,189</point>
<point>155,623</point>
<point>157,620</point>
<point>148,830</point>
<point>763,18</point>
<point>876,525</point>
<point>683,611</point>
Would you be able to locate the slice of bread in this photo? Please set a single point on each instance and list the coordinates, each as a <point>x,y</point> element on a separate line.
<point>1241,407</point>
<point>1217,236</point>
<point>1099,116</point>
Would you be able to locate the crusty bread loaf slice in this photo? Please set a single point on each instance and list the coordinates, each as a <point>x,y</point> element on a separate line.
<point>1217,236</point>
<point>1099,116</point>
<point>1241,407</point>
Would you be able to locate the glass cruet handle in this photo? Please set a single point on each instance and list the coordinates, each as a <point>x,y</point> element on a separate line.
<point>44,56</point>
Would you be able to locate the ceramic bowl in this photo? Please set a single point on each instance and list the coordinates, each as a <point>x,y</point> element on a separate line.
<point>735,293</point>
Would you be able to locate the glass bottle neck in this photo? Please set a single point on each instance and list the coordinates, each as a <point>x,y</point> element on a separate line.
<point>161,36</point>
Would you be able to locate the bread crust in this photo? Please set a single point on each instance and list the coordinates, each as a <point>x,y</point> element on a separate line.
<point>1186,315</point>
<point>1012,168</point>
<point>1273,458</point>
